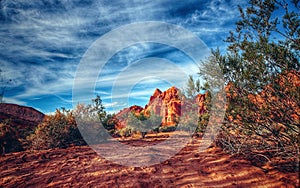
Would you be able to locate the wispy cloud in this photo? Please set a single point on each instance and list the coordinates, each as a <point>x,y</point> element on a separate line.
<point>42,43</point>
<point>213,21</point>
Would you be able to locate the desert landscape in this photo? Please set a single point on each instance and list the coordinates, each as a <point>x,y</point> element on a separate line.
<point>80,166</point>
<point>29,158</point>
<point>140,94</point>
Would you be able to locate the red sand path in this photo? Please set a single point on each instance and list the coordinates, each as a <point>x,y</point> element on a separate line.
<point>82,167</point>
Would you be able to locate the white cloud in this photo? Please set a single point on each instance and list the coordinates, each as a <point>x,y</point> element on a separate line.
<point>13,100</point>
<point>214,20</point>
<point>41,46</point>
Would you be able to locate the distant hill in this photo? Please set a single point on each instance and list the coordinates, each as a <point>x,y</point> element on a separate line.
<point>23,119</point>
<point>18,115</point>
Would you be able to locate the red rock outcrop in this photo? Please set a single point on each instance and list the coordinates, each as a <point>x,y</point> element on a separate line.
<point>167,104</point>
<point>121,117</point>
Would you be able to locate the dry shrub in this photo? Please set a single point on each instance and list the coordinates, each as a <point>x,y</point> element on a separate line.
<point>9,141</point>
<point>265,126</point>
<point>56,131</point>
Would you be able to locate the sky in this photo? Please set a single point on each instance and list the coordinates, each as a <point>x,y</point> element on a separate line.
<point>43,42</point>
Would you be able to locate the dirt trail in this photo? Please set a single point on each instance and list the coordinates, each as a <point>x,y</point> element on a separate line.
<point>82,167</point>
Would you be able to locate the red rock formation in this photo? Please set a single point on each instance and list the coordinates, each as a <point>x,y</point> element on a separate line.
<point>155,95</point>
<point>282,105</point>
<point>167,104</point>
<point>200,99</point>
<point>155,104</point>
<point>121,117</point>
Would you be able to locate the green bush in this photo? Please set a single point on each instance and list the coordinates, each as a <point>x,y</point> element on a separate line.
<point>167,128</point>
<point>203,121</point>
<point>9,141</point>
<point>56,131</point>
<point>143,123</point>
<point>125,132</point>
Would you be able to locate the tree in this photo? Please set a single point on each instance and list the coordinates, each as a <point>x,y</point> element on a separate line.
<point>143,123</point>
<point>193,87</point>
<point>93,121</point>
<point>154,121</point>
<point>99,108</point>
<point>262,67</point>
<point>211,72</point>
<point>263,45</point>
<point>109,122</point>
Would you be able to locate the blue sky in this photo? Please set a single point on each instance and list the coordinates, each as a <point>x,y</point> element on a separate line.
<point>43,42</point>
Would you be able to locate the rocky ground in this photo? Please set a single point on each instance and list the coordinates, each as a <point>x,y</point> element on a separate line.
<point>82,167</point>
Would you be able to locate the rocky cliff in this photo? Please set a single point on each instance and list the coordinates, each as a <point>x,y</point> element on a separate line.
<point>167,104</point>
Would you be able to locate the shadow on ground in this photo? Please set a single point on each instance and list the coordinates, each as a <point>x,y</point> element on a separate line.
<point>82,167</point>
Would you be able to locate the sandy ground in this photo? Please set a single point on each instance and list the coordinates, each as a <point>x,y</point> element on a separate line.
<point>82,167</point>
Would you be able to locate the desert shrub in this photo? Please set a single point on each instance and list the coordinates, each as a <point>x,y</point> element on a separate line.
<point>125,132</point>
<point>9,141</point>
<point>109,123</point>
<point>94,123</point>
<point>268,130</point>
<point>262,71</point>
<point>202,123</point>
<point>56,131</point>
<point>167,128</point>
<point>143,123</point>
<point>156,130</point>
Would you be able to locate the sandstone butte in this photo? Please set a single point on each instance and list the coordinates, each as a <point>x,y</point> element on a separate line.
<point>168,104</point>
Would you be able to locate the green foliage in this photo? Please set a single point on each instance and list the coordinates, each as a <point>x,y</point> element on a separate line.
<point>154,120</point>
<point>259,63</point>
<point>90,126</point>
<point>60,129</point>
<point>109,122</point>
<point>9,141</point>
<point>91,118</point>
<point>99,108</point>
<point>56,131</point>
<point>202,123</point>
<point>126,132</point>
<point>211,72</point>
<point>193,87</point>
<point>195,122</point>
<point>136,121</point>
<point>167,128</point>
<point>143,123</point>
<point>255,55</point>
